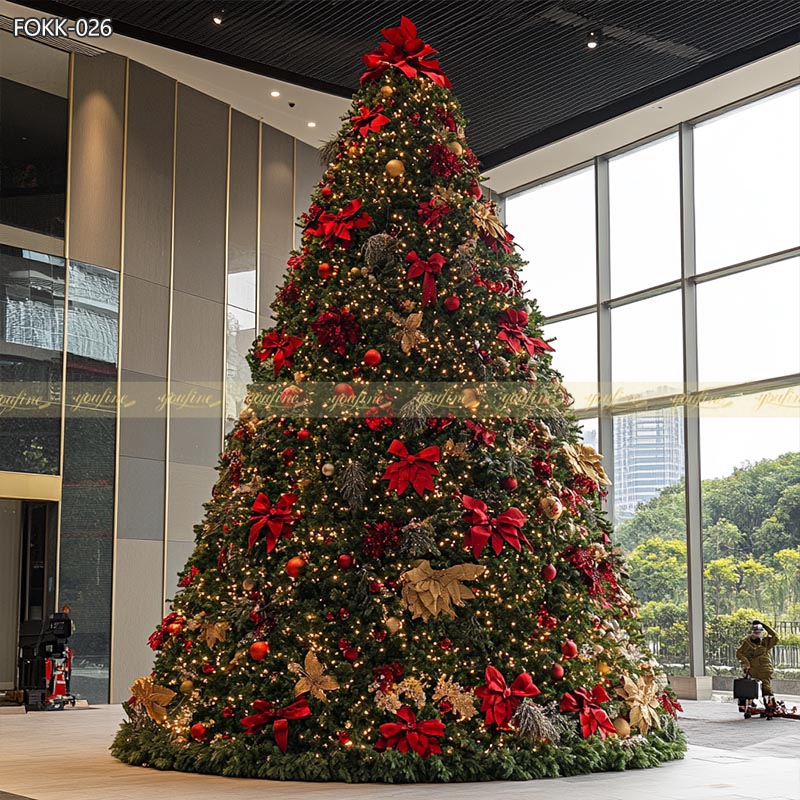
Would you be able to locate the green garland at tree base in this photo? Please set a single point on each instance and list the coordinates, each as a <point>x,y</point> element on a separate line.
<point>152,746</point>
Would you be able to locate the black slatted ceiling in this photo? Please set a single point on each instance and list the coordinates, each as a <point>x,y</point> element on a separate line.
<point>520,67</point>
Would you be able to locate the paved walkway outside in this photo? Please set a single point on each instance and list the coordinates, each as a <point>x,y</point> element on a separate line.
<point>64,756</point>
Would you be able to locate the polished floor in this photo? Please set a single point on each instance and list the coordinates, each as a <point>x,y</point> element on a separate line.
<point>64,756</point>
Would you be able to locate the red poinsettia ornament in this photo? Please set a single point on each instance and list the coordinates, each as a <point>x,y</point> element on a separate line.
<point>278,718</point>
<point>336,228</point>
<point>415,470</point>
<point>278,519</point>
<point>587,704</point>
<point>499,700</point>
<point>427,268</point>
<point>505,528</point>
<point>512,321</point>
<point>368,120</point>
<point>411,734</point>
<point>280,347</point>
<point>406,51</point>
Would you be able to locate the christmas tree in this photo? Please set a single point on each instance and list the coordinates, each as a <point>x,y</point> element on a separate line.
<point>405,572</point>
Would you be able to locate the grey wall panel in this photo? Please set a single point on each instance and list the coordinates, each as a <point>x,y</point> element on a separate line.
<point>243,205</point>
<point>137,611</point>
<point>140,504</point>
<point>145,318</point>
<point>195,427</point>
<point>148,177</point>
<point>143,416</point>
<point>177,555</point>
<point>201,168</point>
<point>95,208</point>
<point>307,172</point>
<point>189,487</point>
<point>197,340</point>
<point>277,213</point>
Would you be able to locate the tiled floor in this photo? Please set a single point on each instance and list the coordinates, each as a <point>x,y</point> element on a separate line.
<point>64,756</point>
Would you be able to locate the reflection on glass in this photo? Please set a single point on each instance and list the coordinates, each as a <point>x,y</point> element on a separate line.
<point>555,225</point>
<point>750,466</point>
<point>650,526</point>
<point>748,326</point>
<point>241,333</point>
<point>242,289</point>
<point>87,513</point>
<point>33,135</point>
<point>590,432</point>
<point>647,348</point>
<point>747,181</point>
<point>576,356</point>
<point>644,198</point>
<point>31,345</point>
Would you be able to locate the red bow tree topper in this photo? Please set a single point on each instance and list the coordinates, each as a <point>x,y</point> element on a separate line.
<point>279,719</point>
<point>278,519</point>
<point>500,700</point>
<point>414,470</point>
<point>512,321</point>
<point>505,528</point>
<point>337,228</point>
<point>428,270</point>
<point>280,347</point>
<point>410,734</point>
<point>369,120</point>
<point>587,704</point>
<point>406,51</point>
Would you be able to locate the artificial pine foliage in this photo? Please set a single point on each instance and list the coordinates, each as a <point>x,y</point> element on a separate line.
<point>404,573</point>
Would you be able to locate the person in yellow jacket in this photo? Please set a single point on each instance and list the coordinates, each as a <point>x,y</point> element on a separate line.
<point>754,653</point>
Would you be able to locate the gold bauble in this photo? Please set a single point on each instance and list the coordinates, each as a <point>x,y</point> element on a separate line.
<point>353,151</point>
<point>551,507</point>
<point>622,727</point>
<point>355,272</point>
<point>395,168</point>
<point>386,91</point>
<point>393,625</point>
<point>455,147</point>
<point>187,687</point>
<point>328,469</point>
<point>248,584</point>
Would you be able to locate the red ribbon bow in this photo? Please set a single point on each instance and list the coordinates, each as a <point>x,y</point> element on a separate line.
<point>417,470</point>
<point>419,736</point>
<point>337,227</point>
<point>279,719</point>
<point>369,120</point>
<point>587,704</point>
<point>500,700</point>
<point>429,270</point>
<point>512,321</point>
<point>406,51</point>
<point>278,519</point>
<point>280,347</point>
<point>502,529</point>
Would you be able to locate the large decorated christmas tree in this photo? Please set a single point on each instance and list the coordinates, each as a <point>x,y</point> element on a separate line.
<point>405,572</point>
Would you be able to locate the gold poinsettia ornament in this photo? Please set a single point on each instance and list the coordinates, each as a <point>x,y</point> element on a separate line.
<point>409,335</point>
<point>456,449</point>
<point>153,698</point>
<point>641,696</point>
<point>213,632</point>
<point>428,592</point>
<point>313,678</point>
<point>585,460</point>
<point>462,700</point>
<point>487,222</point>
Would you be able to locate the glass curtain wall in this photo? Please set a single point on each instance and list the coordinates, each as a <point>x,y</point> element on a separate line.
<point>699,283</point>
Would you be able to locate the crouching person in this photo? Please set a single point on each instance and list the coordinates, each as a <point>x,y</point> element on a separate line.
<point>754,653</point>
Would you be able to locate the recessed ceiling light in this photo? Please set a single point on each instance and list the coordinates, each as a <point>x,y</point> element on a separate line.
<point>593,39</point>
<point>312,124</point>
<point>274,94</point>
<point>219,16</point>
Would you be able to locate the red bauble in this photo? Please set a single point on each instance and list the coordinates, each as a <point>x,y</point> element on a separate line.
<point>344,561</point>
<point>326,192</point>
<point>557,672</point>
<point>198,732</point>
<point>207,668</point>
<point>372,358</point>
<point>569,649</point>
<point>445,644</point>
<point>325,270</point>
<point>350,654</point>
<point>343,737</point>
<point>343,613</point>
<point>259,650</point>
<point>375,586</point>
<point>288,455</point>
<point>379,634</point>
<point>294,566</point>
<point>549,572</point>
<point>303,434</point>
<point>343,390</point>
<point>509,483</point>
<point>475,190</point>
<point>452,303</point>
<point>174,628</point>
